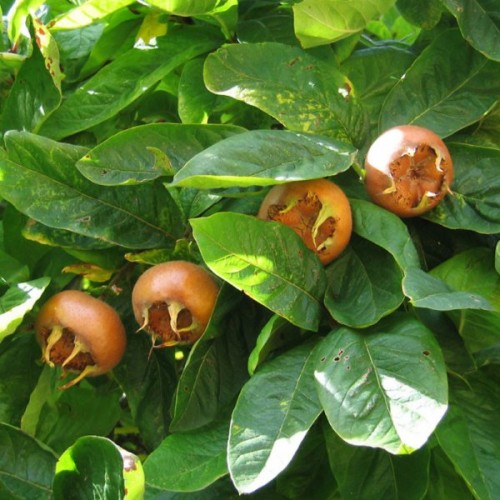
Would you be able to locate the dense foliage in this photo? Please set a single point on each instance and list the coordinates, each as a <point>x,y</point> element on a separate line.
<point>135,133</point>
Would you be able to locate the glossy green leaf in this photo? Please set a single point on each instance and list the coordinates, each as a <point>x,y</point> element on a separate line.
<point>33,96</point>
<point>373,72</point>
<point>474,271</point>
<point>17,18</point>
<point>148,379</point>
<point>303,93</point>
<point>134,155</point>
<point>474,202</point>
<point>40,180</point>
<point>469,433</point>
<point>445,481</point>
<point>189,461</point>
<point>93,464</point>
<point>385,230</point>
<point>426,290</point>
<point>364,473</point>
<point>214,373</point>
<point>64,416</point>
<point>273,414</point>
<point>384,386</point>
<point>319,23</point>
<point>276,334</point>
<point>250,255</point>
<point>45,235</point>
<point>195,103</point>
<point>425,14</point>
<point>308,475</point>
<point>26,465</point>
<point>459,87</point>
<point>478,22</point>
<point>364,285</point>
<point>17,302</point>
<point>12,271</point>
<point>186,7</point>
<point>264,157</point>
<point>125,79</point>
<point>87,13</point>
<point>17,353</point>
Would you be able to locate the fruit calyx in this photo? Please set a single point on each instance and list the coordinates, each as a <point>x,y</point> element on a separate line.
<point>308,217</point>
<point>63,348</point>
<point>168,323</point>
<point>422,163</point>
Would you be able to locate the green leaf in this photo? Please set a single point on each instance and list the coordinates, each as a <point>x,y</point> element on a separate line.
<point>132,156</point>
<point>260,258</point>
<point>276,334</point>
<point>26,465</point>
<point>186,7</point>
<point>364,285</point>
<point>67,415</point>
<point>474,202</point>
<point>213,375</point>
<point>426,290</point>
<point>17,18</point>
<point>125,79</point>
<point>384,386</point>
<point>32,98</point>
<point>469,433</point>
<point>319,23</point>
<point>385,230</point>
<point>478,22</point>
<point>460,86</point>
<point>189,461</point>
<point>92,466</point>
<point>373,72</point>
<point>87,13</point>
<point>17,302</point>
<point>17,353</point>
<point>11,269</point>
<point>273,414</point>
<point>148,378</point>
<point>303,93</point>
<point>195,103</point>
<point>425,14</point>
<point>474,271</point>
<point>445,482</point>
<point>308,475</point>
<point>40,181</point>
<point>363,472</point>
<point>265,157</point>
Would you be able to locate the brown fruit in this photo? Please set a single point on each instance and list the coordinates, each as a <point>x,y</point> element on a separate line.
<point>81,334</point>
<point>174,301</point>
<point>317,210</point>
<point>408,170</point>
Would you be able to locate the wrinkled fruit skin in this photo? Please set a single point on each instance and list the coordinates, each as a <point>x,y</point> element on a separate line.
<point>408,170</point>
<point>174,301</point>
<point>80,333</point>
<point>317,210</point>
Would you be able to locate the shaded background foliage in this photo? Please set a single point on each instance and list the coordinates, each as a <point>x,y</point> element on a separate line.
<point>139,132</point>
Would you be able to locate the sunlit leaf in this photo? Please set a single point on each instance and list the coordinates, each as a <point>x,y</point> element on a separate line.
<point>318,23</point>
<point>458,84</point>
<point>259,257</point>
<point>17,302</point>
<point>385,386</point>
<point>264,157</point>
<point>275,409</point>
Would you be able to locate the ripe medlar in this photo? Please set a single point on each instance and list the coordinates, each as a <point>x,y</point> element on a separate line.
<point>174,301</point>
